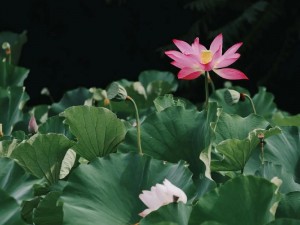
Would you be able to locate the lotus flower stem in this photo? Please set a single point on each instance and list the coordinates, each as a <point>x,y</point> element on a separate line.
<point>138,125</point>
<point>252,104</point>
<point>210,81</point>
<point>206,89</point>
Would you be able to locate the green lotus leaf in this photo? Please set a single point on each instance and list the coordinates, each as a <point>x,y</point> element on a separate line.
<point>7,147</point>
<point>12,100</point>
<point>282,120</point>
<point>236,127</point>
<point>107,190</point>
<point>98,130</point>
<point>27,209</point>
<point>19,134</point>
<point>264,103</point>
<point>270,170</point>
<point>163,102</point>
<point>16,42</point>
<point>237,138</point>
<point>285,222</point>
<point>67,163</point>
<point>54,124</point>
<point>49,210</point>
<point>175,134</point>
<point>242,108</point>
<point>236,153</point>
<point>138,93</point>
<point>289,206</point>
<point>71,98</point>
<point>204,185</point>
<point>157,88</point>
<point>243,200</point>
<point>177,213</point>
<point>40,113</point>
<point>15,181</point>
<point>211,223</point>
<point>42,155</point>
<point>149,76</point>
<point>9,210</point>
<point>12,75</point>
<point>284,149</point>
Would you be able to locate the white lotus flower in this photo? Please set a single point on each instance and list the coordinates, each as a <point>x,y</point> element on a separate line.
<point>161,194</point>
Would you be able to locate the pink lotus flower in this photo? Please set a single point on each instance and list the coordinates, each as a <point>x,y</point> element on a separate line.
<point>195,59</point>
<point>161,194</point>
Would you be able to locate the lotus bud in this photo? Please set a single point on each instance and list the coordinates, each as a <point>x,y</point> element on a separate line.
<point>32,125</point>
<point>1,132</point>
<point>231,96</point>
<point>45,91</point>
<point>6,47</point>
<point>116,92</point>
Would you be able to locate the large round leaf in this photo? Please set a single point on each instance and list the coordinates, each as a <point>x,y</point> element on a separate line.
<point>236,138</point>
<point>243,200</point>
<point>14,180</point>
<point>12,75</point>
<point>106,191</point>
<point>283,120</point>
<point>54,124</point>
<point>285,222</point>
<point>175,134</point>
<point>71,98</point>
<point>42,155</point>
<point>149,76</point>
<point>7,147</point>
<point>263,101</point>
<point>9,210</point>
<point>177,213</point>
<point>237,127</point>
<point>16,42</point>
<point>284,149</point>
<point>270,170</point>
<point>163,102</point>
<point>11,101</point>
<point>289,206</point>
<point>236,153</point>
<point>49,210</point>
<point>241,108</point>
<point>98,130</point>
<point>157,83</point>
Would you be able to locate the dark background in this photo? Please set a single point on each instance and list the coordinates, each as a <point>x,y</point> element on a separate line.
<point>93,42</point>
